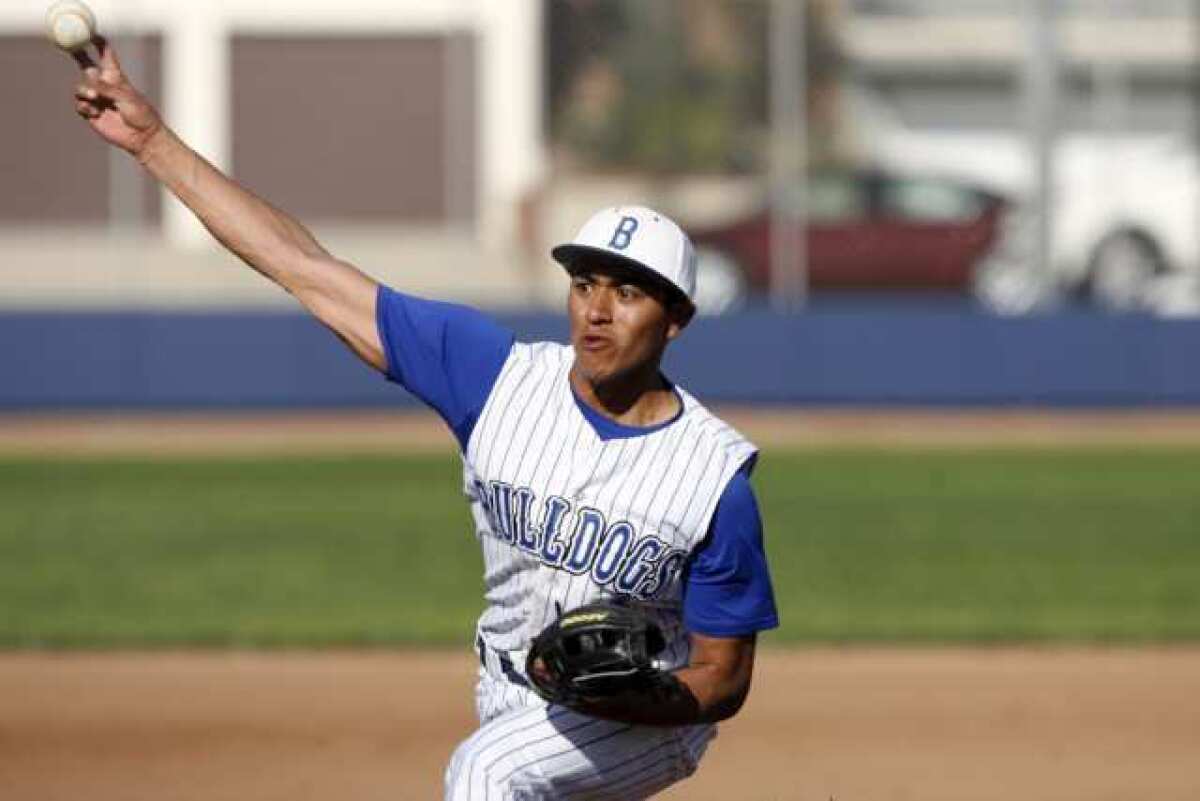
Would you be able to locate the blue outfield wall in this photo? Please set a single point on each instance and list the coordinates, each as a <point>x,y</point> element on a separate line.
<point>861,354</point>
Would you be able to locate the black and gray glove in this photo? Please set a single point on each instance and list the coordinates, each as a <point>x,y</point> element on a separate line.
<point>595,651</point>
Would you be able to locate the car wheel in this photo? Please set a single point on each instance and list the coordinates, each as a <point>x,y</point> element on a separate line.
<point>720,282</point>
<point>1008,286</point>
<point>1123,266</point>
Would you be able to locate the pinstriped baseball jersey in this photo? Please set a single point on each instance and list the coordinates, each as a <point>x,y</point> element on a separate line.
<point>566,517</point>
<point>570,506</point>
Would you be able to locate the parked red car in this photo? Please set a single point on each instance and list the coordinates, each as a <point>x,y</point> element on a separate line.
<point>867,229</point>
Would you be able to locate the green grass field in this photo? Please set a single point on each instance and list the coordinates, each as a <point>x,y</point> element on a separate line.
<point>1076,545</point>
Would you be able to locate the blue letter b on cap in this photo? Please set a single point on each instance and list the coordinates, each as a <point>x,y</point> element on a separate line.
<point>624,233</point>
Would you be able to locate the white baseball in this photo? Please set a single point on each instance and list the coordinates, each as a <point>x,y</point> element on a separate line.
<point>70,24</point>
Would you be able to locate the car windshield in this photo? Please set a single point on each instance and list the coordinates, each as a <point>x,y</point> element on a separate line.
<point>830,197</point>
<point>924,200</point>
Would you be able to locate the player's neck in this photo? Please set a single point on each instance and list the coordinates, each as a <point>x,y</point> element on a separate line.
<point>639,400</point>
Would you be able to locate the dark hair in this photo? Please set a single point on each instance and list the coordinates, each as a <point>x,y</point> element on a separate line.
<point>678,306</point>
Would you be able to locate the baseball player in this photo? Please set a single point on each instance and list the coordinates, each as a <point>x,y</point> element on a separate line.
<point>590,476</point>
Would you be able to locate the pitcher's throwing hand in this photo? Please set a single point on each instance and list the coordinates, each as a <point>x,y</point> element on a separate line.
<point>112,106</point>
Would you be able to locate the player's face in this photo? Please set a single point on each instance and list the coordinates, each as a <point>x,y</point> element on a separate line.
<point>619,324</point>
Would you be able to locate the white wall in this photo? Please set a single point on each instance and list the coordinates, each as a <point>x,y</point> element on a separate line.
<point>196,80</point>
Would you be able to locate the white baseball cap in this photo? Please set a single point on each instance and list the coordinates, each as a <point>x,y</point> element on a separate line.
<point>638,238</point>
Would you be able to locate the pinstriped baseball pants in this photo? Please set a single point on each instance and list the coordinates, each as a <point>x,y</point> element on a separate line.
<point>526,750</point>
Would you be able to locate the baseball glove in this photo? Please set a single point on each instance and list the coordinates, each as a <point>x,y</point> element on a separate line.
<point>594,651</point>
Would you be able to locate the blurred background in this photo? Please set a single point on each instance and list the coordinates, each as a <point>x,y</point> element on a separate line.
<point>949,260</point>
<point>991,201</point>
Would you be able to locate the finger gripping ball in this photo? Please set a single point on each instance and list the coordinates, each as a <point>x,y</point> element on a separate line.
<point>70,24</point>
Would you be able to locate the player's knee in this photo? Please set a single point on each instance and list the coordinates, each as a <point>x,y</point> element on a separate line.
<point>470,776</point>
<point>458,773</point>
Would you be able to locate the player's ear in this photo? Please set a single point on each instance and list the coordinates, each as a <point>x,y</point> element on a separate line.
<point>679,314</point>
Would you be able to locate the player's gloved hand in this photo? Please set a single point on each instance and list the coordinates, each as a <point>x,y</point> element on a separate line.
<point>594,652</point>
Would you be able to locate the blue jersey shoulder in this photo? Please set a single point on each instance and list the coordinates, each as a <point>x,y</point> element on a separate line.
<point>446,354</point>
<point>727,586</point>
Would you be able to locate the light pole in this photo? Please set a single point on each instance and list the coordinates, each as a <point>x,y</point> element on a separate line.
<point>1041,96</point>
<point>788,156</point>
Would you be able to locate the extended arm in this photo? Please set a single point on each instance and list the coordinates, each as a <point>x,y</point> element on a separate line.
<point>267,239</point>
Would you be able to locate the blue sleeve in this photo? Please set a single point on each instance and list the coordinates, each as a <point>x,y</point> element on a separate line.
<point>727,586</point>
<point>447,355</point>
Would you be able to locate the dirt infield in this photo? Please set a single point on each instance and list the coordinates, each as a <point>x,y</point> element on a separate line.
<point>244,433</point>
<point>850,724</point>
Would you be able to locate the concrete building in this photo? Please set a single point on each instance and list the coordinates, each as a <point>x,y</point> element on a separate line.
<point>1127,67</point>
<point>406,132</point>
